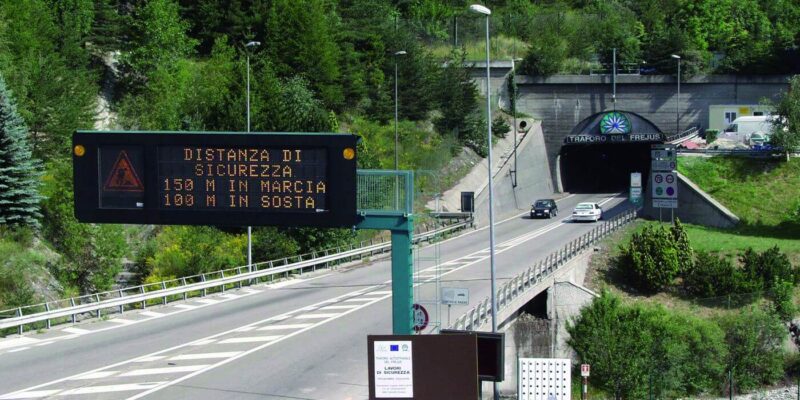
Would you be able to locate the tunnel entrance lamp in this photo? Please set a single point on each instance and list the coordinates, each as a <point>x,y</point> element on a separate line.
<point>251,44</point>
<point>678,100</point>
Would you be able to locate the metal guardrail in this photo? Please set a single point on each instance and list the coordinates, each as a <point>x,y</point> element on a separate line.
<point>518,285</point>
<point>683,136</point>
<point>772,153</point>
<point>116,300</point>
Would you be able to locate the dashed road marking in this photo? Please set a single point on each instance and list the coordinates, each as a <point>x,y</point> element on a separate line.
<point>284,327</point>
<point>251,339</point>
<point>205,356</point>
<point>165,370</point>
<point>316,316</point>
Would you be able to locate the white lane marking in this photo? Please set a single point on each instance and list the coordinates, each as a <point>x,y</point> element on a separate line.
<point>229,296</point>
<point>283,327</point>
<point>251,339</point>
<point>292,282</point>
<point>202,342</point>
<point>381,292</point>
<point>110,388</point>
<point>30,394</point>
<point>207,301</point>
<point>253,350</point>
<point>46,343</point>
<point>185,306</point>
<point>316,316</point>
<point>204,356</point>
<point>338,307</point>
<point>19,349</point>
<point>20,341</point>
<point>309,308</point>
<point>276,318</point>
<point>246,329</point>
<point>165,370</point>
<point>95,375</point>
<point>358,299</point>
<point>78,331</point>
<point>149,359</point>
<point>122,321</point>
<point>152,314</point>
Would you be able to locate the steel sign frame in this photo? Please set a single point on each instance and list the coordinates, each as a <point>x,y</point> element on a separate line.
<point>340,178</point>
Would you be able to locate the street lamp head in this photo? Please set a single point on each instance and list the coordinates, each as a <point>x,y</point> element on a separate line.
<point>400,53</point>
<point>479,9</point>
<point>252,44</point>
<point>675,56</point>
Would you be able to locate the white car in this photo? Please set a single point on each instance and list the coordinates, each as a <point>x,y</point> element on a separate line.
<point>587,212</point>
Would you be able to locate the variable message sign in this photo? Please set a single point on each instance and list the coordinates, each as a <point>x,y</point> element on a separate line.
<point>212,178</point>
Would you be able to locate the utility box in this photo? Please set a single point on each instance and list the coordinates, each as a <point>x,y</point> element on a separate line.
<point>468,202</point>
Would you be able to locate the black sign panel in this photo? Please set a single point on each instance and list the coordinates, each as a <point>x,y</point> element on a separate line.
<point>203,178</point>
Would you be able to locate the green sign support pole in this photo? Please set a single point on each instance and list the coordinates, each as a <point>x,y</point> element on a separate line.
<point>401,225</point>
<point>402,268</point>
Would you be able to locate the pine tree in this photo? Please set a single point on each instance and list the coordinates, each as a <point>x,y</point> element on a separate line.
<point>19,171</point>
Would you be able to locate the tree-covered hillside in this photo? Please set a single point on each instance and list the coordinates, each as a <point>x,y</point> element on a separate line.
<point>322,65</point>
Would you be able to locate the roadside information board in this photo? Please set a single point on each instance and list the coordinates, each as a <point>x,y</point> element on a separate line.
<point>394,369</point>
<point>585,369</point>
<point>215,178</point>
<point>663,177</point>
<point>455,296</point>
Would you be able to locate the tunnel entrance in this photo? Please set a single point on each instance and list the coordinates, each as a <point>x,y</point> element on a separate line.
<point>602,168</point>
<point>600,153</point>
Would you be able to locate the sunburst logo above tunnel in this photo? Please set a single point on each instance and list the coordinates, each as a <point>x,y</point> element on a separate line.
<point>615,123</point>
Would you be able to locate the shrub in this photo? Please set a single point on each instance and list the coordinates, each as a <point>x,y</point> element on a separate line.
<point>754,339</point>
<point>190,250</point>
<point>782,299</point>
<point>711,135</point>
<point>500,127</point>
<point>712,276</point>
<point>652,259</point>
<point>770,266</point>
<point>629,344</point>
<point>682,245</point>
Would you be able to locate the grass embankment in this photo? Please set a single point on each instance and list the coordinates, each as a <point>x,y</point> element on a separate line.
<point>765,194</point>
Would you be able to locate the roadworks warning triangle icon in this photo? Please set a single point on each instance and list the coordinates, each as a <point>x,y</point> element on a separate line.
<point>123,178</point>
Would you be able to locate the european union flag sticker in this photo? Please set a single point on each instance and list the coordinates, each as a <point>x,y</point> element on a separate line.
<point>394,347</point>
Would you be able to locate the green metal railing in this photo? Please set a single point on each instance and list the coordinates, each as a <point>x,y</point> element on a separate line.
<point>385,192</point>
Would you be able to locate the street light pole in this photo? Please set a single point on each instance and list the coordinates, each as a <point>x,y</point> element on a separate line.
<point>678,100</point>
<point>249,228</point>
<point>479,9</point>
<point>614,76</point>
<point>514,115</point>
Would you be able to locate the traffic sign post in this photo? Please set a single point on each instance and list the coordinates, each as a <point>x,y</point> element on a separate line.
<point>663,178</point>
<point>585,368</point>
<point>457,296</point>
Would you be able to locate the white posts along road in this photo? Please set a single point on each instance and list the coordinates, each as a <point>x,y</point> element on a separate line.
<point>299,339</point>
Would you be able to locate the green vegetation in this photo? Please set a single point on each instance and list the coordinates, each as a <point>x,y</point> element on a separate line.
<point>19,199</point>
<point>765,194</point>
<point>636,348</point>
<point>703,320</point>
<point>786,132</point>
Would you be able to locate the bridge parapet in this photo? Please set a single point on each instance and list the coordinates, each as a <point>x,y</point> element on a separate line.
<point>519,290</point>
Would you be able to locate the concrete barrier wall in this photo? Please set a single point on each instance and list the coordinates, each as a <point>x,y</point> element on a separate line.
<point>694,206</point>
<point>533,180</point>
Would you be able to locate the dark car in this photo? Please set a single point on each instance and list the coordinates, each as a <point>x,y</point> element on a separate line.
<point>544,208</point>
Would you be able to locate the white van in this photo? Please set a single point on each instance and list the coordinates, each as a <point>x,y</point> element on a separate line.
<point>742,128</point>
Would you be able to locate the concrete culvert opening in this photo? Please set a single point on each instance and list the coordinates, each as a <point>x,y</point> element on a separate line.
<point>602,168</point>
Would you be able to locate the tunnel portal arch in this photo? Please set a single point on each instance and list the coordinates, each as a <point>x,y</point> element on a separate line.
<point>602,150</point>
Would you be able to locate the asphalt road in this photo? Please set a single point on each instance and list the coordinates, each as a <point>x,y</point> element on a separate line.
<point>301,339</point>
